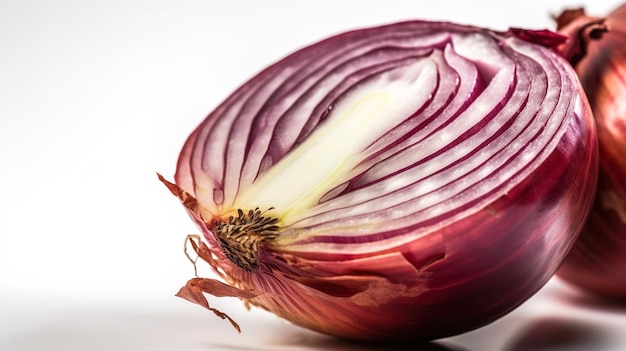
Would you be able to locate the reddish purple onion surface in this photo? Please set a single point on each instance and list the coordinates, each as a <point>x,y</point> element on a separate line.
<point>414,180</point>
<point>598,261</point>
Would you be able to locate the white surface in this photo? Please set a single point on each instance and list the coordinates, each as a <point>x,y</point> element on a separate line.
<point>96,96</point>
<point>554,319</point>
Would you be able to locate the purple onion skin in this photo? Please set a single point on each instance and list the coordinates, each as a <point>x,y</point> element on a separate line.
<point>458,277</point>
<point>597,263</point>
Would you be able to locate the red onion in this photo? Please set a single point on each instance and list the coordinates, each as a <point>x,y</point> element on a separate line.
<point>598,261</point>
<point>414,180</point>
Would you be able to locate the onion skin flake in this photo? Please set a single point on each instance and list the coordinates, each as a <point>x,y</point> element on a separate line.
<point>410,181</point>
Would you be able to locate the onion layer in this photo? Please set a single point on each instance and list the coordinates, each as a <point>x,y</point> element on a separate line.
<point>598,261</point>
<point>414,180</point>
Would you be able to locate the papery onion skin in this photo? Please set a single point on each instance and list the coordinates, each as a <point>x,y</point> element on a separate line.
<point>468,243</point>
<point>597,262</point>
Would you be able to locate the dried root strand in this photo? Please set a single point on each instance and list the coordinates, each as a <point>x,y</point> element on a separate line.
<point>194,261</point>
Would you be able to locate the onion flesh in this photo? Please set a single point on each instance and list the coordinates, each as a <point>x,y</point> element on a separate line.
<point>415,180</point>
<point>598,261</point>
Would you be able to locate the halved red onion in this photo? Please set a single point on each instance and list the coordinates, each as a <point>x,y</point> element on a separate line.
<point>414,180</point>
<point>598,261</point>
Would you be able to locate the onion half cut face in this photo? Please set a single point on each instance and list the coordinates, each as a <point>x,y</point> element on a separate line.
<point>414,180</point>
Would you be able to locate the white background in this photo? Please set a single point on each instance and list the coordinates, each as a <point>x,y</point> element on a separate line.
<point>97,96</point>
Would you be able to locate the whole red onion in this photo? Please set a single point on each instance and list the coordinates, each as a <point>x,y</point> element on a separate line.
<point>414,180</point>
<point>598,261</point>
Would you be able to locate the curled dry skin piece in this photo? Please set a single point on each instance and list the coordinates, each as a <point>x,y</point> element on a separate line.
<point>598,261</point>
<point>414,180</point>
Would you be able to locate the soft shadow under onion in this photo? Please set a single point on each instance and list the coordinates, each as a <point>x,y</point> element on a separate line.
<point>312,341</point>
<point>553,333</point>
